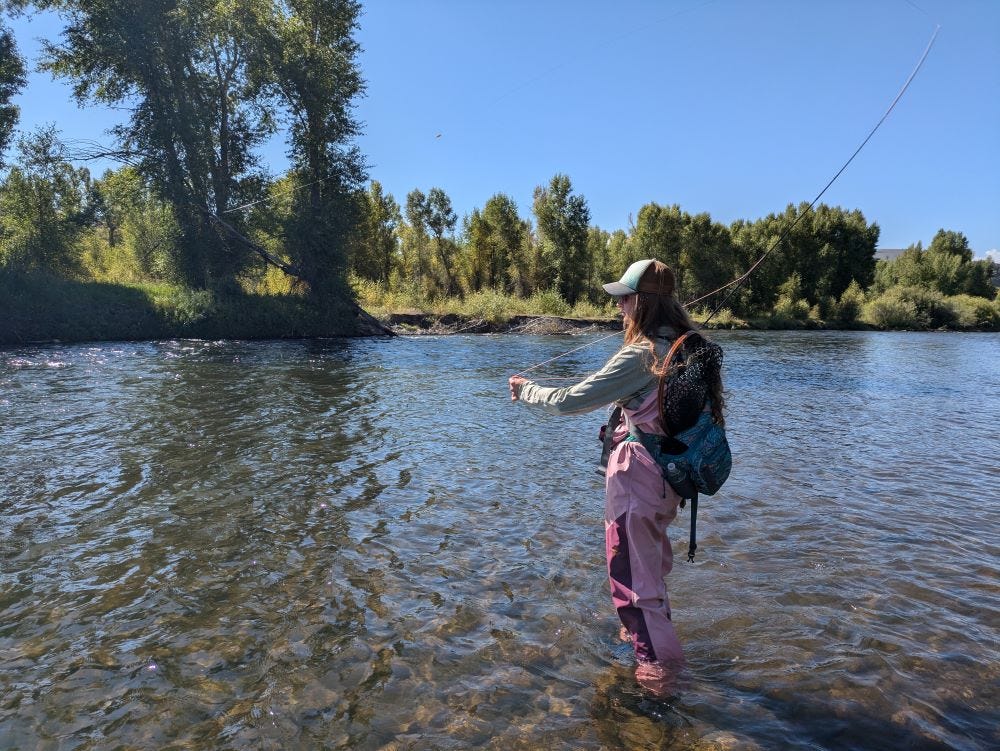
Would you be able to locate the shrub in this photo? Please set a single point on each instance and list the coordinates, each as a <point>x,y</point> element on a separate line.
<point>549,302</point>
<point>974,312</point>
<point>180,304</point>
<point>790,308</point>
<point>588,309</point>
<point>489,304</point>
<point>848,308</point>
<point>890,310</point>
<point>725,319</point>
<point>932,309</point>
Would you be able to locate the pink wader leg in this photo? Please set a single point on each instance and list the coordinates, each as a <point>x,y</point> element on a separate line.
<point>639,507</point>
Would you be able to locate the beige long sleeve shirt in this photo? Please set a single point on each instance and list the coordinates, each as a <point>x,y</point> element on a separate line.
<point>624,379</point>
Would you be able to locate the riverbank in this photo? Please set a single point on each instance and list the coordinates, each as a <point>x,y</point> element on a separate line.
<point>417,323</point>
<point>38,308</point>
<point>42,308</point>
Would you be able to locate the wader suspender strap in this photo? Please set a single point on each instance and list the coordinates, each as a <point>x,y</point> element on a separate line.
<point>692,545</point>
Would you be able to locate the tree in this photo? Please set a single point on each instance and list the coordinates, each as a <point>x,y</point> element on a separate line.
<point>441,219</point>
<point>563,221</point>
<point>946,242</point>
<point>415,239</point>
<point>306,61</point>
<point>43,207</point>
<point>846,252</point>
<point>508,233</point>
<point>657,234</point>
<point>377,251</point>
<point>180,67</point>
<point>706,258</point>
<point>12,79</point>
<point>476,233</point>
<point>946,266</point>
<point>599,267</point>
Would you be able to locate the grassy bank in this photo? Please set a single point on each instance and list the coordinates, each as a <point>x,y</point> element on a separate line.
<point>897,309</point>
<point>38,307</point>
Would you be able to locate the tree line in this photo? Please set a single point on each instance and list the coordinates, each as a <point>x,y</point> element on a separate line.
<point>821,262</point>
<point>207,82</point>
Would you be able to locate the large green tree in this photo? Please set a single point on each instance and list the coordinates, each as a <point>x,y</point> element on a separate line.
<point>179,67</point>
<point>508,233</point>
<point>206,82</point>
<point>305,57</point>
<point>562,220</point>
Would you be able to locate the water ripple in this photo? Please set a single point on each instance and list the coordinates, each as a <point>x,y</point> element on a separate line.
<point>334,544</point>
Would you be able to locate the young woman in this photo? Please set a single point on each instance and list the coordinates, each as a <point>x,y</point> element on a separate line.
<point>639,502</point>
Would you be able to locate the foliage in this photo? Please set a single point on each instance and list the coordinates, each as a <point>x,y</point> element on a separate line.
<point>848,308</point>
<point>791,304</point>
<point>972,312</point>
<point>549,302</point>
<point>43,207</point>
<point>305,60</point>
<point>489,305</point>
<point>891,310</point>
<point>909,307</point>
<point>206,82</point>
<point>495,240</point>
<point>946,266</point>
<point>562,225</point>
<point>375,252</point>
<point>134,233</point>
<point>12,79</point>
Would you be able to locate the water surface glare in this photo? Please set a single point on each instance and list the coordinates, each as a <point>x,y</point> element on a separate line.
<point>364,545</point>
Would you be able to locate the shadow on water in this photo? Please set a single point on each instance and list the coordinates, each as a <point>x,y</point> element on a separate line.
<point>626,717</point>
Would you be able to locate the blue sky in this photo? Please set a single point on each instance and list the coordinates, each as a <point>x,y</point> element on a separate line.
<point>730,107</point>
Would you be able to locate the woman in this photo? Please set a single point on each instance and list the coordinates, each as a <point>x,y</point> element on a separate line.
<point>639,502</point>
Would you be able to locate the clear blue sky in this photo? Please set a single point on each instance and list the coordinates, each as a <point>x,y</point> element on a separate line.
<point>730,107</point>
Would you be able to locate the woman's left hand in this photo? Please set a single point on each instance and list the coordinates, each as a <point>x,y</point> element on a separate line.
<point>515,383</point>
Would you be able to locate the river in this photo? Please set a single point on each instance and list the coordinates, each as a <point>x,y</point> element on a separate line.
<point>363,544</point>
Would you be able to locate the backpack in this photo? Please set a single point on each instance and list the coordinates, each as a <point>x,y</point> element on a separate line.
<point>694,460</point>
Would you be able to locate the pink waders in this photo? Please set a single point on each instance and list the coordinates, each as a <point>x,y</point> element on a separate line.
<point>640,504</point>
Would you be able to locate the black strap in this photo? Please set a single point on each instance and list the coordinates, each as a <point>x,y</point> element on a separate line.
<point>692,545</point>
<point>614,420</point>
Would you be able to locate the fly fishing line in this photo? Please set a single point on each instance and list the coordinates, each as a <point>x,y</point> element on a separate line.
<point>738,281</point>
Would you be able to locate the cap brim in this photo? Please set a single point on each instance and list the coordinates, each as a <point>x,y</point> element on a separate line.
<point>617,289</point>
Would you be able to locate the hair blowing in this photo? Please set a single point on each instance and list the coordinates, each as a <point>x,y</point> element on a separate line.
<point>652,312</point>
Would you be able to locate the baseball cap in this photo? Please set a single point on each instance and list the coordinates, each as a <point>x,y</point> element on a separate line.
<point>648,275</point>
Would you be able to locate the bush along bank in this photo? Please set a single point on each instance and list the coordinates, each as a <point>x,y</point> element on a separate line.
<point>40,308</point>
<point>906,308</point>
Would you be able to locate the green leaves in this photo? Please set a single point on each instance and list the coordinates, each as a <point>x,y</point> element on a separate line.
<point>12,79</point>
<point>563,219</point>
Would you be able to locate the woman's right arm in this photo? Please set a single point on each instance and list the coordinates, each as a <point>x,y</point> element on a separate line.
<point>623,376</point>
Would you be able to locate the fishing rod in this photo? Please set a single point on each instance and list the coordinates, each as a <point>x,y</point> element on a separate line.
<point>736,283</point>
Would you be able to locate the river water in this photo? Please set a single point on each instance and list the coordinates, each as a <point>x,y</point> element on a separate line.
<point>365,545</point>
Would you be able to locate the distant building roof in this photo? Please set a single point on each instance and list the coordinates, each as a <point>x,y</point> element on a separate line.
<point>889,254</point>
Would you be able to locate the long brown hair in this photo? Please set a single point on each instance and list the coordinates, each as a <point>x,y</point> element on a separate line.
<point>655,310</point>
